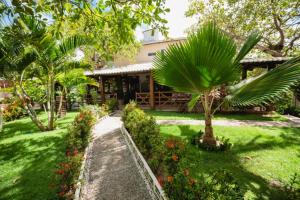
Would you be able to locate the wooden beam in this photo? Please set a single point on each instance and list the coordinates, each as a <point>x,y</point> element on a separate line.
<point>102,88</point>
<point>151,90</point>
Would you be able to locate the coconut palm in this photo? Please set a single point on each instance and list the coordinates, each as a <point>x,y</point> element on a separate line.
<point>208,60</point>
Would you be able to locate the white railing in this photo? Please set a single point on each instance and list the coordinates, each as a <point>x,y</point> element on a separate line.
<point>153,185</point>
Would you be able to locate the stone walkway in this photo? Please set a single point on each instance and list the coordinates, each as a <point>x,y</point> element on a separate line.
<point>290,123</point>
<point>112,172</point>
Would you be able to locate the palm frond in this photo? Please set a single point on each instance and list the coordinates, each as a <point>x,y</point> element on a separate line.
<point>70,44</point>
<point>251,41</point>
<point>268,86</point>
<point>204,61</point>
<point>193,101</point>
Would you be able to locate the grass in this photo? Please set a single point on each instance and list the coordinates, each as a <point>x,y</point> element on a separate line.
<point>29,157</point>
<point>259,156</point>
<point>169,115</point>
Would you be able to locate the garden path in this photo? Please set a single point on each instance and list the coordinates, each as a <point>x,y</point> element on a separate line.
<point>111,171</point>
<point>290,123</point>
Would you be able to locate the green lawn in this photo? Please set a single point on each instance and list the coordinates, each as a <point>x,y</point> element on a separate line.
<point>259,155</point>
<point>183,116</point>
<point>28,159</point>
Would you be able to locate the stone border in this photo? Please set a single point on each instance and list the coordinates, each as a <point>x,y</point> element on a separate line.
<point>153,185</point>
<point>83,168</point>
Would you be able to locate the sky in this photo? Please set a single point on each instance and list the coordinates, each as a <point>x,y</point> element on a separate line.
<point>177,22</point>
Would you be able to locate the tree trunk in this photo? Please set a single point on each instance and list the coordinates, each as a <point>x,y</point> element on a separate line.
<point>208,137</point>
<point>59,110</point>
<point>51,100</point>
<point>28,107</point>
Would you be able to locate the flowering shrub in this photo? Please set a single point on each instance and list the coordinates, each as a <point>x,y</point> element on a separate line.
<point>68,172</point>
<point>220,185</point>
<point>77,140</point>
<point>174,151</point>
<point>79,133</point>
<point>144,131</point>
<point>13,109</point>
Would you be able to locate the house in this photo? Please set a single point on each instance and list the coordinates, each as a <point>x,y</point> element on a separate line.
<point>132,80</point>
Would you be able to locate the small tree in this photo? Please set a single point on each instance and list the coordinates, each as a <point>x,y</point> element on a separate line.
<point>209,60</point>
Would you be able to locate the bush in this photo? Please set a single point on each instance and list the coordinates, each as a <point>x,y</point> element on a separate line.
<point>94,96</point>
<point>112,105</point>
<point>283,103</point>
<point>77,140</point>
<point>79,133</point>
<point>13,110</point>
<point>291,110</point>
<point>220,185</point>
<point>97,111</point>
<point>143,130</point>
<point>68,173</point>
<point>128,108</point>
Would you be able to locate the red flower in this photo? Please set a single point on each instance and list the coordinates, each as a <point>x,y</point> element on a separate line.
<point>170,144</point>
<point>170,179</point>
<point>175,157</point>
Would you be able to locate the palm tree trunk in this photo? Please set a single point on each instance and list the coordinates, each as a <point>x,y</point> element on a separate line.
<point>208,136</point>
<point>59,110</point>
<point>28,107</point>
<point>51,100</point>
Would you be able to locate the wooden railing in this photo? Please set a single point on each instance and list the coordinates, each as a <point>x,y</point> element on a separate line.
<point>163,99</point>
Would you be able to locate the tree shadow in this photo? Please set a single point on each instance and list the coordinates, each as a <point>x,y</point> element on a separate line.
<point>28,159</point>
<point>234,160</point>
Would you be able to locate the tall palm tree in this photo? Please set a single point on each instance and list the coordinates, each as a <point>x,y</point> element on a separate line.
<point>208,60</point>
<point>49,54</point>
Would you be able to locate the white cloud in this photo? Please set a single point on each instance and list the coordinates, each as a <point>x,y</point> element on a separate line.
<point>177,21</point>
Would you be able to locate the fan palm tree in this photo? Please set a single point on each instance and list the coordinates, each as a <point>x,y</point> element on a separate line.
<point>208,60</point>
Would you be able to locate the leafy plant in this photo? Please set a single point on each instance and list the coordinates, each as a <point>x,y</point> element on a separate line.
<point>219,185</point>
<point>13,109</point>
<point>208,60</point>
<point>112,104</point>
<point>79,133</point>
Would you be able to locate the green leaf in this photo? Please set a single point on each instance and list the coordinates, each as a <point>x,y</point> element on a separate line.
<point>193,101</point>
<point>267,87</point>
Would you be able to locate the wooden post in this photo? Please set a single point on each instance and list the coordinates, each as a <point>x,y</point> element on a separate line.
<point>102,88</point>
<point>244,73</point>
<point>151,90</point>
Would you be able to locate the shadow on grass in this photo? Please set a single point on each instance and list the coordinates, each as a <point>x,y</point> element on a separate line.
<point>28,159</point>
<point>200,161</point>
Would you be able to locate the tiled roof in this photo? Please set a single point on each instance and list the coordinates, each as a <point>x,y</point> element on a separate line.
<point>262,60</point>
<point>147,67</point>
<point>143,67</point>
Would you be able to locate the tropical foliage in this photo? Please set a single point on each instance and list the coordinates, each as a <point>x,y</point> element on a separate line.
<point>39,40</point>
<point>209,60</point>
<point>277,21</point>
